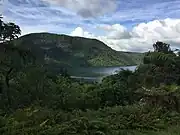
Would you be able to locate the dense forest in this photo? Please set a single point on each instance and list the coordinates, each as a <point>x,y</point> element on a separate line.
<point>35,101</point>
<point>68,51</point>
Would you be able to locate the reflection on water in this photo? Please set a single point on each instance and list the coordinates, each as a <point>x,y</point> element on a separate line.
<point>97,73</point>
<point>112,70</point>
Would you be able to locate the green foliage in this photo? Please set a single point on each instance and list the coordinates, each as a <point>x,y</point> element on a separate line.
<point>8,31</point>
<point>116,90</point>
<point>116,120</point>
<point>13,59</point>
<point>162,47</point>
<point>63,50</point>
<point>159,68</point>
<point>36,101</point>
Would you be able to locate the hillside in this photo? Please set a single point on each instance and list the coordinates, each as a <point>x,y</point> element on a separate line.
<point>63,50</point>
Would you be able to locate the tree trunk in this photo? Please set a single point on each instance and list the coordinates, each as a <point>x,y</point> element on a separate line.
<point>7,85</point>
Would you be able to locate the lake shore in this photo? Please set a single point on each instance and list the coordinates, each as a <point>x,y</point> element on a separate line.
<point>96,74</point>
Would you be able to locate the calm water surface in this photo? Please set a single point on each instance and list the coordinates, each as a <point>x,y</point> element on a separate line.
<point>97,73</point>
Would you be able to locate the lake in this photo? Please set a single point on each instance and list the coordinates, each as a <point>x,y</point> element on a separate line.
<point>98,73</point>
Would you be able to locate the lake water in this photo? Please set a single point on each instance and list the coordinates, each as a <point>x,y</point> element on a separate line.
<point>97,73</point>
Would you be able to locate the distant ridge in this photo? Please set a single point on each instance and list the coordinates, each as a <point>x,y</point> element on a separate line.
<point>67,51</point>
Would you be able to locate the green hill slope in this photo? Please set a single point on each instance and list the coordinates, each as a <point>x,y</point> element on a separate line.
<point>63,50</point>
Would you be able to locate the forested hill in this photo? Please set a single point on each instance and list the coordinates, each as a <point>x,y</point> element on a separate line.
<point>63,50</point>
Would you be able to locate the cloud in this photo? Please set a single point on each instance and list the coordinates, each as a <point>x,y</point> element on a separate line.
<point>136,11</point>
<point>1,6</point>
<point>121,24</point>
<point>36,16</point>
<point>87,8</point>
<point>81,33</point>
<point>140,38</point>
<point>115,31</point>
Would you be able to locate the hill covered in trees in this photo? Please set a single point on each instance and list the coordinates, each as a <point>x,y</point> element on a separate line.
<point>34,101</point>
<point>63,50</point>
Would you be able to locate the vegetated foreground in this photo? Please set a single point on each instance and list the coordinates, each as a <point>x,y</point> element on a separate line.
<point>35,101</point>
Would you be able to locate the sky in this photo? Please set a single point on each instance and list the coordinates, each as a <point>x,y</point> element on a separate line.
<point>124,25</point>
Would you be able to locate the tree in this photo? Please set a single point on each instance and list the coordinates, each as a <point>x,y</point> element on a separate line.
<point>1,29</point>
<point>11,31</point>
<point>12,58</point>
<point>162,47</point>
<point>8,31</point>
<point>160,66</point>
<point>116,89</point>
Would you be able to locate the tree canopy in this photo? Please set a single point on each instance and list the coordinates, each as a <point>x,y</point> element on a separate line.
<point>8,31</point>
<point>162,47</point>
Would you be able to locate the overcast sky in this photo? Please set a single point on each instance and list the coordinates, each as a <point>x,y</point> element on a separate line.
<point>126,25</point>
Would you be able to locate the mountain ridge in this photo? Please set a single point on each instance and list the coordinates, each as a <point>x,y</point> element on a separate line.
<point>50,33</point>
<point>69,51</point>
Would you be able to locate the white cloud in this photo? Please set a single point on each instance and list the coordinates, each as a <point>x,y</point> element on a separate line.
<point>87,8</point>
<point>81,33</point>
<point>140,38</point>
<point>115,31</point>
<point>166,30</point>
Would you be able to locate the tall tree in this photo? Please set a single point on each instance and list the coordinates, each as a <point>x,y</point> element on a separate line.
<point>12,58</point>
<point>160,67</point>
<point>162,47</point>
<point>1,29</point>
